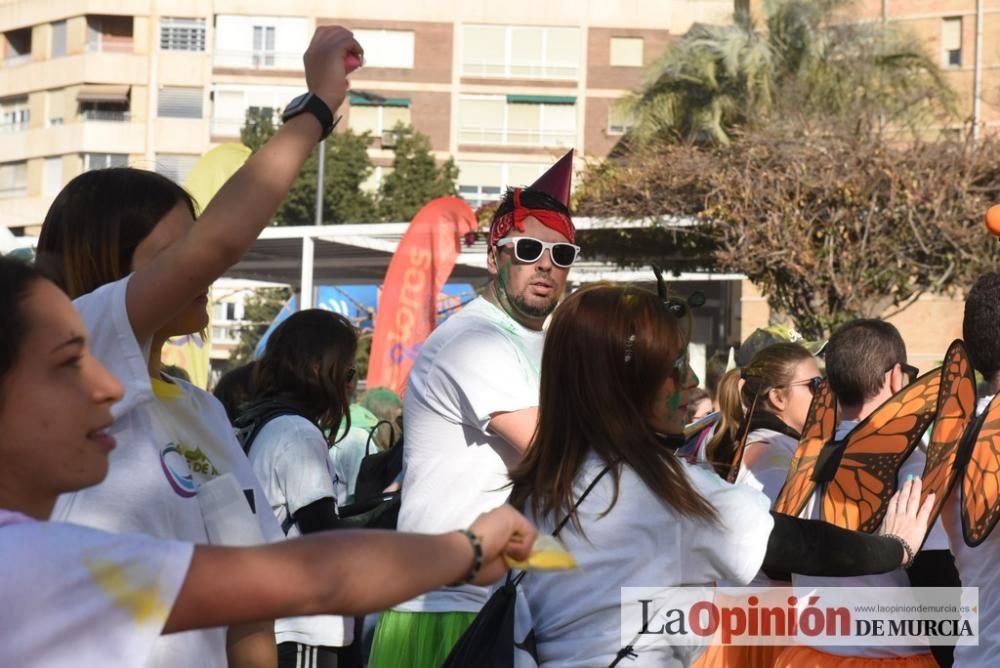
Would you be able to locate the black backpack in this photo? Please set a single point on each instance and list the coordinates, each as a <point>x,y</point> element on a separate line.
<point>372,508</point>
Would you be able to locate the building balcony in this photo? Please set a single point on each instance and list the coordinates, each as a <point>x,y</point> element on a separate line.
<point>105,68</point>
<point>87,137</point>
<point>257,60</point>
<point>10,128</point>
<point>226,127</point>
<point>516,137</point>
<point>105,115</point>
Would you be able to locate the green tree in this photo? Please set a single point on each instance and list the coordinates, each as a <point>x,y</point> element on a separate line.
<point>346,168</point>
<point>416,179</point>
<point>807,65</point>
<point>259,311</point>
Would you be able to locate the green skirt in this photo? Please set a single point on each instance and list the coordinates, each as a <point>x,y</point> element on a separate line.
<point>416,639</point>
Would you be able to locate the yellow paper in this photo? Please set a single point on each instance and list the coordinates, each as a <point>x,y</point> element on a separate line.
<point>548,554</point>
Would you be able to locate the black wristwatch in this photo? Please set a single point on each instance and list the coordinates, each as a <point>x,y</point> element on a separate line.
<point>310,103</point>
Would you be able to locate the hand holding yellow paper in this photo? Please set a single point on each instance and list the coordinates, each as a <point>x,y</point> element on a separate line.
<point>547,554</point>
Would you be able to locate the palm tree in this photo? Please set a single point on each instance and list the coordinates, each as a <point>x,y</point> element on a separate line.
<point>806,64</point>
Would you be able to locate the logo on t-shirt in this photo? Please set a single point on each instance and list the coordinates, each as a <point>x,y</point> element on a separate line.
<point>175,467</point>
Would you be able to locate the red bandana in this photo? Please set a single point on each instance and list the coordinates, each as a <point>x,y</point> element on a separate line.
<point>515,219</point>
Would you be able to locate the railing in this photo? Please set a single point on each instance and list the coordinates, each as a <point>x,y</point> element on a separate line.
<point>105,115</point>
<point>513,137</point>
<point>258,60</point>
<point>10,128</point>
<point>100,46</point>
<point>11,61</point>
<point>498,69</point>
<point>226,127</point>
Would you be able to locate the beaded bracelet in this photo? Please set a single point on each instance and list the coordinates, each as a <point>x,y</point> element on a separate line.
<point>477,557</point>
<point>906,548</point>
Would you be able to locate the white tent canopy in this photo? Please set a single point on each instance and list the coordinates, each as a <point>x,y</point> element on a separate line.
<point>304,256</point>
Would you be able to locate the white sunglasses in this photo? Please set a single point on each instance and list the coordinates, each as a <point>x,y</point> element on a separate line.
<point>529,250</point>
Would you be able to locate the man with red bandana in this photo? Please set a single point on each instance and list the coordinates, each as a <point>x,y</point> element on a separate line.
<point>471,405</point>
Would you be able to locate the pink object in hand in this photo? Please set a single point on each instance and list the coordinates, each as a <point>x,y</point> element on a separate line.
<point>351,62</point>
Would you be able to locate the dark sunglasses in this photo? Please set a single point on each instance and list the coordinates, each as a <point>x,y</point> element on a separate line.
<point>812,383</point>
<point>911,372</point>
<point>529,250</point>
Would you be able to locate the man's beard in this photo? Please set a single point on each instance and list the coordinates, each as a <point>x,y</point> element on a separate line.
<point>535,311</point>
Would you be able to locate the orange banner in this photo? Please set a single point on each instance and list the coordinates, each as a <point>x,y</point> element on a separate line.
<point>417,273</point>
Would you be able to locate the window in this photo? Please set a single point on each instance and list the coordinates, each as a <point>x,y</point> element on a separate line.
<point>14,114</point>
<point>626,52</point>
<point>378,117</point>
<point>175,166</point>
<point>951,41</point>
<point>52,177</point>
<point>520,52</point>
<point>112,34</point>
<point>114,112</point>
<point>18,47</point>
<point>518,120</point>
<point>180,102</point>
<point>104,160</point>
<point>56,103</point>
<point>619,120</point>
<point>259,42</point>
<point>231,103</point>
<point>263,46</point>
<point>58,39</point>
<point>484,182</point>
<point>99,102</point>
<point>387,48</point>
<point>182,34</point>
<point>13,179</point>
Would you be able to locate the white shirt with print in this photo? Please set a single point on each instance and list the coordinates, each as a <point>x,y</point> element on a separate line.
<point>165,449</point>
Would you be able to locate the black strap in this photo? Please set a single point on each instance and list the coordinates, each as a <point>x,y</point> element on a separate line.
<point>371,435</point>
<point>563,521</point>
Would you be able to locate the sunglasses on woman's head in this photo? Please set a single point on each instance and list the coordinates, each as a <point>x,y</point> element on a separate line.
<point>529,250</point>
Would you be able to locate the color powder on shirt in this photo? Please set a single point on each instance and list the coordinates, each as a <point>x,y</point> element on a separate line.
<point>142,602</point>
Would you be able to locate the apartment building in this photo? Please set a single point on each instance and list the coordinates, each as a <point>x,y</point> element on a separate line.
<point>964,35</point>
<point>501,87</point>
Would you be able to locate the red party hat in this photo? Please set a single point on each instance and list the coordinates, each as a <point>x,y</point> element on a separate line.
<point>558,179</point>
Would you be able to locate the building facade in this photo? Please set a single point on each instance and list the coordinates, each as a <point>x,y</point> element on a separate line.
<point>503,88</point>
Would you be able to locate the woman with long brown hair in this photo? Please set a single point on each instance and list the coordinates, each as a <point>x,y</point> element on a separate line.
<point>614,388</point>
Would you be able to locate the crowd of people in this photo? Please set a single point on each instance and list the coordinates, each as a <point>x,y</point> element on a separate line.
<point>146,522</point>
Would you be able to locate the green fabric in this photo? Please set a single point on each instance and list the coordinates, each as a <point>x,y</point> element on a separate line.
<point>416,639</point>
<point>361,101</point>
<point>541,99</point>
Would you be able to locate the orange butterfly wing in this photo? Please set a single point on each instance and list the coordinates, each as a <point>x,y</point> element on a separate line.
<point>856,498</point>
<point>956,411</point>
<point>818,430</point>
<point>741,445</point>
<point>981,484</point>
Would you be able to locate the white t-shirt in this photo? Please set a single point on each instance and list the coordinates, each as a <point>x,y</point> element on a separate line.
<point>977,567</point>
<point>479,362</point>
<point>641,542</point>
<point>74,596</point>
<point>345,457</point>
<point>166,449</point>
<point>765,467</point>
<point>936,540</point>
<point>290,458</point>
